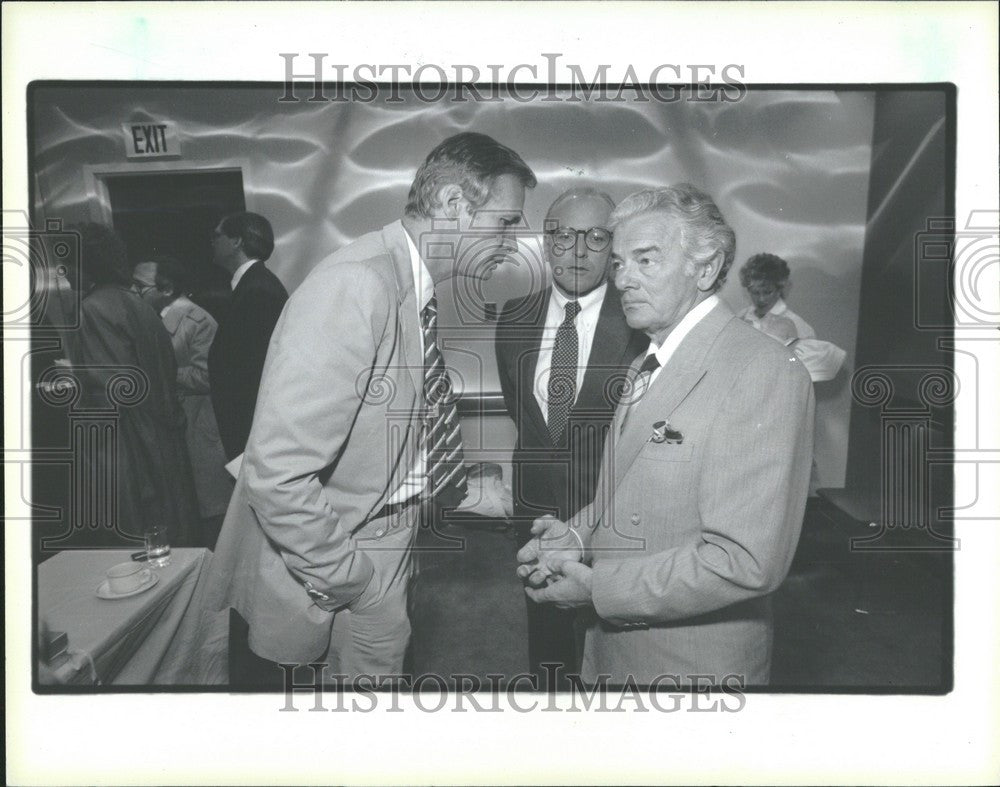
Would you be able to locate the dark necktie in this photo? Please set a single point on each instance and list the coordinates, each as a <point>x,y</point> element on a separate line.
<point>651,364</point>
<point>562,373</point>
<point>443,436</point>
<point>640,385</point>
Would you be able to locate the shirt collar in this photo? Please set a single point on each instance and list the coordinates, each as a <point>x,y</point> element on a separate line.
<point>677,335</point>
<point>423,284</point>
<point>780,307</point>
<point>171,306</point>
<point>592,298</point>
<point>240,271</point>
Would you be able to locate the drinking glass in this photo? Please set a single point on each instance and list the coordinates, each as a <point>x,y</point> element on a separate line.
<point>157,545</point>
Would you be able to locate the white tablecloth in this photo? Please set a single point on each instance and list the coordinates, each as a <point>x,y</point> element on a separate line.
<point>156,638</point>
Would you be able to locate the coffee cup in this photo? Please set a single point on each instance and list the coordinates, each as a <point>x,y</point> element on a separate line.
<point>127,577</point>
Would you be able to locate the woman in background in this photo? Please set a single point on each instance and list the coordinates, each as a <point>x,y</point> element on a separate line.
<point>122,356</point>
<point>766,279</point>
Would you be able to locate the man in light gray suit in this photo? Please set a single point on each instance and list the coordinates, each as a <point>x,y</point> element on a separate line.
<point>704,478</point>
<point>354,430</point>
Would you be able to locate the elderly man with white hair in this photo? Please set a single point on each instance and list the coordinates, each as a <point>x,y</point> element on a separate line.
<point>699,507</point>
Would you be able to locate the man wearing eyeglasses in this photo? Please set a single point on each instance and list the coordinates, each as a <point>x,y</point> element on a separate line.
<point>703,487</point>
<point>164,284</point>
<point>559,353</point>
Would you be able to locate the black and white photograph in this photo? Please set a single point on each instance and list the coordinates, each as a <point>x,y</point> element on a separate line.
<point>494,396</point>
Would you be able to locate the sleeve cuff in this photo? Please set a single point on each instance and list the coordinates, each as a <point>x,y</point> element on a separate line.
<point>611,602</point>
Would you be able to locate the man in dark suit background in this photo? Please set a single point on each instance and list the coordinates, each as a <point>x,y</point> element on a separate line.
<point>241,244</point>
<point>562,355</point>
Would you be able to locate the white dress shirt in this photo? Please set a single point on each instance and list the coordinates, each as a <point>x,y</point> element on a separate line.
<point>676,336</point>
<point>780,309</point>
<point>664,352</point>
<point>423,284</point>
<point>238,274</point>
<point>586,326</point>
<point>416,480</point>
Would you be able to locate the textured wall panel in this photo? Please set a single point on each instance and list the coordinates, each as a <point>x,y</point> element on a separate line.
<point>788,168</point>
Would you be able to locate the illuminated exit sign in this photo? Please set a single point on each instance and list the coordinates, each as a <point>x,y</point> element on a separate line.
<point>151,140</point>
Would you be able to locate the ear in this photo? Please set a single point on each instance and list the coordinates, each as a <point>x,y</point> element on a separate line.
<point>452,201</point>
<point>708,272</point>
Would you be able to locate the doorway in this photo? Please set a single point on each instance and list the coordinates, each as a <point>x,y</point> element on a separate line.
<point>174,213</point>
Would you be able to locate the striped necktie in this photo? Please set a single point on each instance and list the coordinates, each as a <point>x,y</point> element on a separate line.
<point>562,373</point>
<point>446,471</point>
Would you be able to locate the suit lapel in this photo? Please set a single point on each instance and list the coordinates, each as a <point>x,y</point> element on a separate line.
<point>607,352</point>
<point>236,313</point>
<point>526,358</point>
<point>173,316</point>
<point>242,286</point>
<point>394,238</point>
<point>676,380</point>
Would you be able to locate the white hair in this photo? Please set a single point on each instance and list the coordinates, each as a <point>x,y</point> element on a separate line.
<point>704,232</point>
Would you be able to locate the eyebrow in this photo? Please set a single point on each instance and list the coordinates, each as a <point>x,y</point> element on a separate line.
<point>646,249</point>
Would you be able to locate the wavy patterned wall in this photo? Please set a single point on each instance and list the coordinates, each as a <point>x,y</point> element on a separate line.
<point>788,168</point>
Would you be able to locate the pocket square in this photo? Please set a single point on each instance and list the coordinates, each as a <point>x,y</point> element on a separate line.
<point>663,432</point>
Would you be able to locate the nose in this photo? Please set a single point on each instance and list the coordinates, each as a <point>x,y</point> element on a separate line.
<point>580,245</point>
<point>508,243</point>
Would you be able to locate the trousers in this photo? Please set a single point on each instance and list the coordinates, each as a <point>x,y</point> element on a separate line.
<point>369,639</point>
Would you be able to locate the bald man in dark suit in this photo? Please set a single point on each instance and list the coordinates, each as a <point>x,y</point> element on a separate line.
<point>561,353</point>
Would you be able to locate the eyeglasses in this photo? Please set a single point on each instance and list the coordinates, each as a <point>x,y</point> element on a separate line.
<point>763,288</point>
<point>564,238</point>
<point>141,287</point>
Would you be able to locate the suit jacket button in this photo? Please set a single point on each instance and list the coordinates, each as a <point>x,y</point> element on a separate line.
<point>635,519</point>
<point>380,532</point>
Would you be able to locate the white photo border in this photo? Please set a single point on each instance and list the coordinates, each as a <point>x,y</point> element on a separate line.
<point>232,739</point>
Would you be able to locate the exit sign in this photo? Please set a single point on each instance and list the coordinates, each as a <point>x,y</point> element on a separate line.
<point>151,140</point>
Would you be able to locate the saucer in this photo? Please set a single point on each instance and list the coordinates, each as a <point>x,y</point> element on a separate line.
<point>103,591</point>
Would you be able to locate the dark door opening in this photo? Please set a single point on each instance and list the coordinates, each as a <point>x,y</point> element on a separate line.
<point>174,213</point>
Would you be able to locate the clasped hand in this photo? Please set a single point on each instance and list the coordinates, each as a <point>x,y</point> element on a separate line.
<point>551,566</point>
